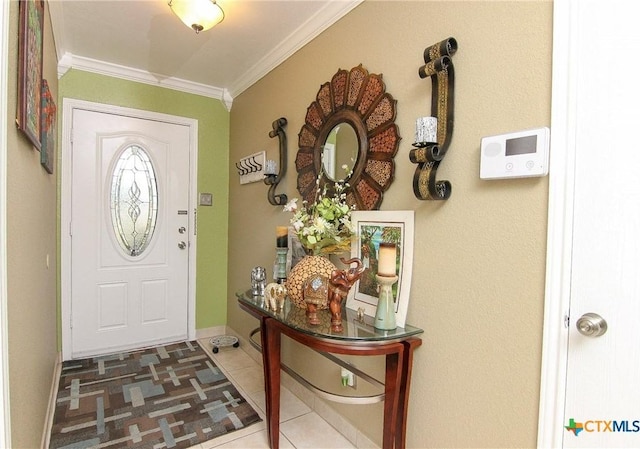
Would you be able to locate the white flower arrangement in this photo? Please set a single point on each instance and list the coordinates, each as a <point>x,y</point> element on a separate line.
<point>324,226</point>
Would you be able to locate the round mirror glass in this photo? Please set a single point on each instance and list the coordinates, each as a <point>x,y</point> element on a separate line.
<point>340,151</point>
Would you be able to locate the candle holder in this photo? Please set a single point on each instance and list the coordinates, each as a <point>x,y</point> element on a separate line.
<point>258,281</point>
<point>281,265</point>
<point>385,311</point>
<point>428,155</point>
<point>273,179</point>
<point>426,131</point>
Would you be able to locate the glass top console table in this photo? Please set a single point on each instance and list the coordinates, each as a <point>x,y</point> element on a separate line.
<point>359,337</point>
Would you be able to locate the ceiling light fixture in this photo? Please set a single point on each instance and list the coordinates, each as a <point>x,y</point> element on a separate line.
<point>200,15</point>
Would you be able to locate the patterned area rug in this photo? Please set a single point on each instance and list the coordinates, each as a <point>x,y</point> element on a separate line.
<point>171,396</point>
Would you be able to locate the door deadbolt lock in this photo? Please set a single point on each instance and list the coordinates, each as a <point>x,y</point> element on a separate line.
<point>182,229</point>
<point>591,325</point>
<point>182,245</point>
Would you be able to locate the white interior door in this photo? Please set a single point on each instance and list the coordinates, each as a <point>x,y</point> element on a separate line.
<point>598,389</point>
<point>129,232</point>
<point>603,382</point>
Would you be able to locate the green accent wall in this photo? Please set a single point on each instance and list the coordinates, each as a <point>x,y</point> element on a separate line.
<point>213,173</point>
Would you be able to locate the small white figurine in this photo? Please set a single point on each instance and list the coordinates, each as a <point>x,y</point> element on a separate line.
<point>274,296</point>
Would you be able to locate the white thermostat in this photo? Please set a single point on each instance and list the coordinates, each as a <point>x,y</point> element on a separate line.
<point>520,154</point>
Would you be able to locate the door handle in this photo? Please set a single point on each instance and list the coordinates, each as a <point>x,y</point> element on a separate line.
<point>182,229</point>
<point>591,325</point>
<point>182,245</point>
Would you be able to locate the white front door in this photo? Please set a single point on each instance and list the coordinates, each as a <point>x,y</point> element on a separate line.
<point>599,396</point>
<point>130,223</point>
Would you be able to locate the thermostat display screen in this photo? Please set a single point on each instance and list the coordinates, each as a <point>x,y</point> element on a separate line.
<point>521,145</point>
<point>519,154</point>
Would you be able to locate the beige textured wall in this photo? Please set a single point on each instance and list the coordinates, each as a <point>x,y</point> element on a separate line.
<point>479,258</point>
<point>31,236</point>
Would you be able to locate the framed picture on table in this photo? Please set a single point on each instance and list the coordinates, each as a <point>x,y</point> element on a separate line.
<point>373,228</point>
<point>296,251</point>
<point>30,42</point>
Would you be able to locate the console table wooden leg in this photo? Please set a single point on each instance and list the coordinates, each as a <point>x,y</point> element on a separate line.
<point>392,384</point>
<point>403,403</point>
<point>265,369</point>
<point>271,361</point>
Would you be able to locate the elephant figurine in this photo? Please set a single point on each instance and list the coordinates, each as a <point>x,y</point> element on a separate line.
<point>340,283</point>
<point>274,295</point>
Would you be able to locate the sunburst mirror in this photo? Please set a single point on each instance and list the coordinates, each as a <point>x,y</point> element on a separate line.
<point>349,135</point>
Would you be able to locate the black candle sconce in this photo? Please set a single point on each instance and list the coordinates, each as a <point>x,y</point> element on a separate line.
<point>428,155</point>
<point>275,172</point>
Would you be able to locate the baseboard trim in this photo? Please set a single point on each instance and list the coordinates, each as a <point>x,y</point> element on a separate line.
<point>210,332</point>
<point>48,423</point>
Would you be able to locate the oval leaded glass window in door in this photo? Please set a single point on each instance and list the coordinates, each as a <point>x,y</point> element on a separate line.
<point>134,200</point>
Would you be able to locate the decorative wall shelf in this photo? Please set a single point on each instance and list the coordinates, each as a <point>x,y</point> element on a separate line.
<point>251,168</point>
<point>439,67</point>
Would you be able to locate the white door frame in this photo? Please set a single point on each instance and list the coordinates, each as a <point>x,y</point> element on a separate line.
<point>559,227</point>
<point>69,104</point>
<point>5,421</point>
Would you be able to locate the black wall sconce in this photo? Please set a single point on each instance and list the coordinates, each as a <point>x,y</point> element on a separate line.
<point>428,155</point>
<point>274,173</point>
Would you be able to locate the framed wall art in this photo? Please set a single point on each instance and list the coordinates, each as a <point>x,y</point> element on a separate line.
<point>30,41</point>
<point>48,129</point>
<point>373,228</point>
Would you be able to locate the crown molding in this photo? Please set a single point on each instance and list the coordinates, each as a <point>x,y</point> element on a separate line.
<point>306,32</point>
<point>70,61</point>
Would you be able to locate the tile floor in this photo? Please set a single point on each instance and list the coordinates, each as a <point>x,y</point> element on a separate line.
<point>300,426</point>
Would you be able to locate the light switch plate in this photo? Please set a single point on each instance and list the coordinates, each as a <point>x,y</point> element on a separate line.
<point>206,199</point>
